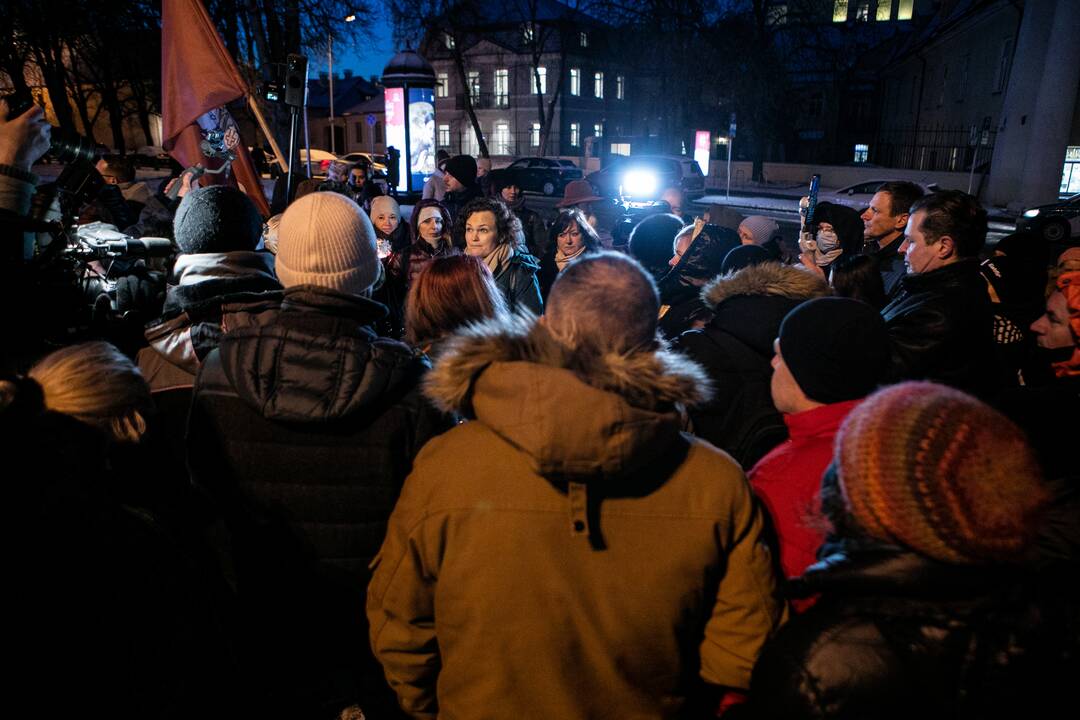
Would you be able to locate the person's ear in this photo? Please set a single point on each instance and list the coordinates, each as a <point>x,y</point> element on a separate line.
<point>901,222</point>
<point>946,247</point>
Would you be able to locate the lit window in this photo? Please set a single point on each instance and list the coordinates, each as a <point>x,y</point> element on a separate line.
<point>534,135</point>
<point>884,10</point>
<point>442,88</point>
<point>527,33</point>
<point>501,139</point>
<point>575,81</point>
<point>620,87</point>
<point>444,136</point>
<point>583,39</point>
<point>474,85</point>
<point>575,134</point>
<point>448,40</point>
<point>540,83</point>
<point>620,149</point>
<point>904,9</point>
<point>598,85</point>
<point>502,87</point>
<point>861,153</point>
<point>862,12</point>
<point>598,130</point>
<point>840,9</point>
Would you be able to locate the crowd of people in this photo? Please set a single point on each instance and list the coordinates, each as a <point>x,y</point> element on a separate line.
<point>476,464</point>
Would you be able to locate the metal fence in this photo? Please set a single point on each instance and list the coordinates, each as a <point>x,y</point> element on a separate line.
<point>937,147</point>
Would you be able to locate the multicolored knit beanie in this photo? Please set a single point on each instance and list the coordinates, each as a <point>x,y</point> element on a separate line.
<point>1068,284</point>
<point>927,467</point>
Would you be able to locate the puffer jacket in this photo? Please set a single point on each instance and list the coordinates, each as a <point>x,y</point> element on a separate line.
<point>680,289</point>
<point>216,292</point>
<point>941,327</point>
<point>735,348</point>
<point>303,431</point>
<point>895,635</point>
<point>569,553</point>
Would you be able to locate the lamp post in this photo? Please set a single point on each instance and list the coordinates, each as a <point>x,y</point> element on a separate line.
<point>330,63</point>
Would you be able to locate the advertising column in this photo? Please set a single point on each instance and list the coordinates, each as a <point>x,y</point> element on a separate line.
<point>395,129</point>
<point>701,150</point>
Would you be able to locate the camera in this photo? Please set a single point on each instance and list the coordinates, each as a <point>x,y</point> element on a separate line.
<point>66,146</point>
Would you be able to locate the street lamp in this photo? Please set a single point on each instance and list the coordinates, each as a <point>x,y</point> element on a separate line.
<point>330,62</point>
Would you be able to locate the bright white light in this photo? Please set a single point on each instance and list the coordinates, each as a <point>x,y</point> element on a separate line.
<point>350,18</point>
<point>637,183</point>
<point>1031,213</point>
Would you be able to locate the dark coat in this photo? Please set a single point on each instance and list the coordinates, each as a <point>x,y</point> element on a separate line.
<point>457,200</point>
<point>735,348</point>
<point>897,635</point>
<point>304,431</point>
<point>680,289</point>
<point>941,327</point>
<point>891,265</point>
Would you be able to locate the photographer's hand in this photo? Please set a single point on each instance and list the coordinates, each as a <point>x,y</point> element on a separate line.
<point>23,139</point>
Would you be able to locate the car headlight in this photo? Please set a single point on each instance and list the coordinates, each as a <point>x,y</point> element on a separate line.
<point>1034,212</point>
<point>639,182</point>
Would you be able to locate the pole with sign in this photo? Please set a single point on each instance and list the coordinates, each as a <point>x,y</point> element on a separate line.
<point>730,144</point>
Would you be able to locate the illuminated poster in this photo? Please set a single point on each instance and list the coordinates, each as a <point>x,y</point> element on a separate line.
<point>701,150</point>
<point>421,135</point>
<point>395,129</point>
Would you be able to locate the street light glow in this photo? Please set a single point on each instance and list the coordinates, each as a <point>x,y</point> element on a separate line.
<point>350,18</point>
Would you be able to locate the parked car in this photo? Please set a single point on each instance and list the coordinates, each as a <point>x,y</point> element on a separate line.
<point>376,162</point>
<point>1057,223</point>
<point>644,177</point>
<point>543,175</point>
<point>858,196</point>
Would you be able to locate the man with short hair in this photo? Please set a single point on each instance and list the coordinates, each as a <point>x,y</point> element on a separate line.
<point>569,553</point>
<point>940,320</point>
<point>884,222</point>
<point>830,353</point>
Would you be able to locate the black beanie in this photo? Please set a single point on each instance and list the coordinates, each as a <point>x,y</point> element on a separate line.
<point>652,240</point>
<point>836,348</point>
<point>744,256</point>
<point>216,219</point>
<point>463,168</point>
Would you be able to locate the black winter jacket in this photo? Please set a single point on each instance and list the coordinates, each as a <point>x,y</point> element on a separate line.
<point>304,430</point>
<point>941,328</point>
<point>897,635</point>
<point>735,348</point>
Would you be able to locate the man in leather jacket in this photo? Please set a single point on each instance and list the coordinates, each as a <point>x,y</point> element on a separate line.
<point>940,320</point>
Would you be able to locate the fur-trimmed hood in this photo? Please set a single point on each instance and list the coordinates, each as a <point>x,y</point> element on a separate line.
<point>573,413</point>
<point>771,278</point>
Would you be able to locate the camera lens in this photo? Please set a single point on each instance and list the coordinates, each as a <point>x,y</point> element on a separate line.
<point>68,147</point>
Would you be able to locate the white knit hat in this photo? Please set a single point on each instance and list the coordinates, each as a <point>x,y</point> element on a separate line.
<point>325,239</point>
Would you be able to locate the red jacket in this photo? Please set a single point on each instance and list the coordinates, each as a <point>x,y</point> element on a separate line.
<point>788,482</point>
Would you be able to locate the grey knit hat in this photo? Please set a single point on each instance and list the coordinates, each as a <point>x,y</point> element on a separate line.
<point>216,219</point>
<point>761,227</point>
<point>325,239</point>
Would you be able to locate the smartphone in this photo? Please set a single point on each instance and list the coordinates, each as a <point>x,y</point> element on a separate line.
<point>815,181</point>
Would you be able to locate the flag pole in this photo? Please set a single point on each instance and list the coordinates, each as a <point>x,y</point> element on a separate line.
<point>266,131</point>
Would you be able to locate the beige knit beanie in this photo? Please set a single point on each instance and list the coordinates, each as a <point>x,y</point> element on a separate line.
<point>325,239</point>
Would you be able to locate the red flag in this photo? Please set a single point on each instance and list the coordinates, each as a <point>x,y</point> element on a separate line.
<point>198,77</point>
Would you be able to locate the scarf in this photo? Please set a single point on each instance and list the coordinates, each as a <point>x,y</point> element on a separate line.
<point>563,260</point>
<point>499,258</point>
<point>191,269</point>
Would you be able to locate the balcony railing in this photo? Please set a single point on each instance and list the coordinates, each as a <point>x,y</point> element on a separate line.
<point>483,101</point>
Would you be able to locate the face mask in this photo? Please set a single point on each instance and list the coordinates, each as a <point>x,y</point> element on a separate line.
<point>827,241</point>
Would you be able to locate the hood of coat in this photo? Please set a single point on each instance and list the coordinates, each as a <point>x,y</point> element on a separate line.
<point>319,360</point>
<point>771,278</point>
<point>575,415</point>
